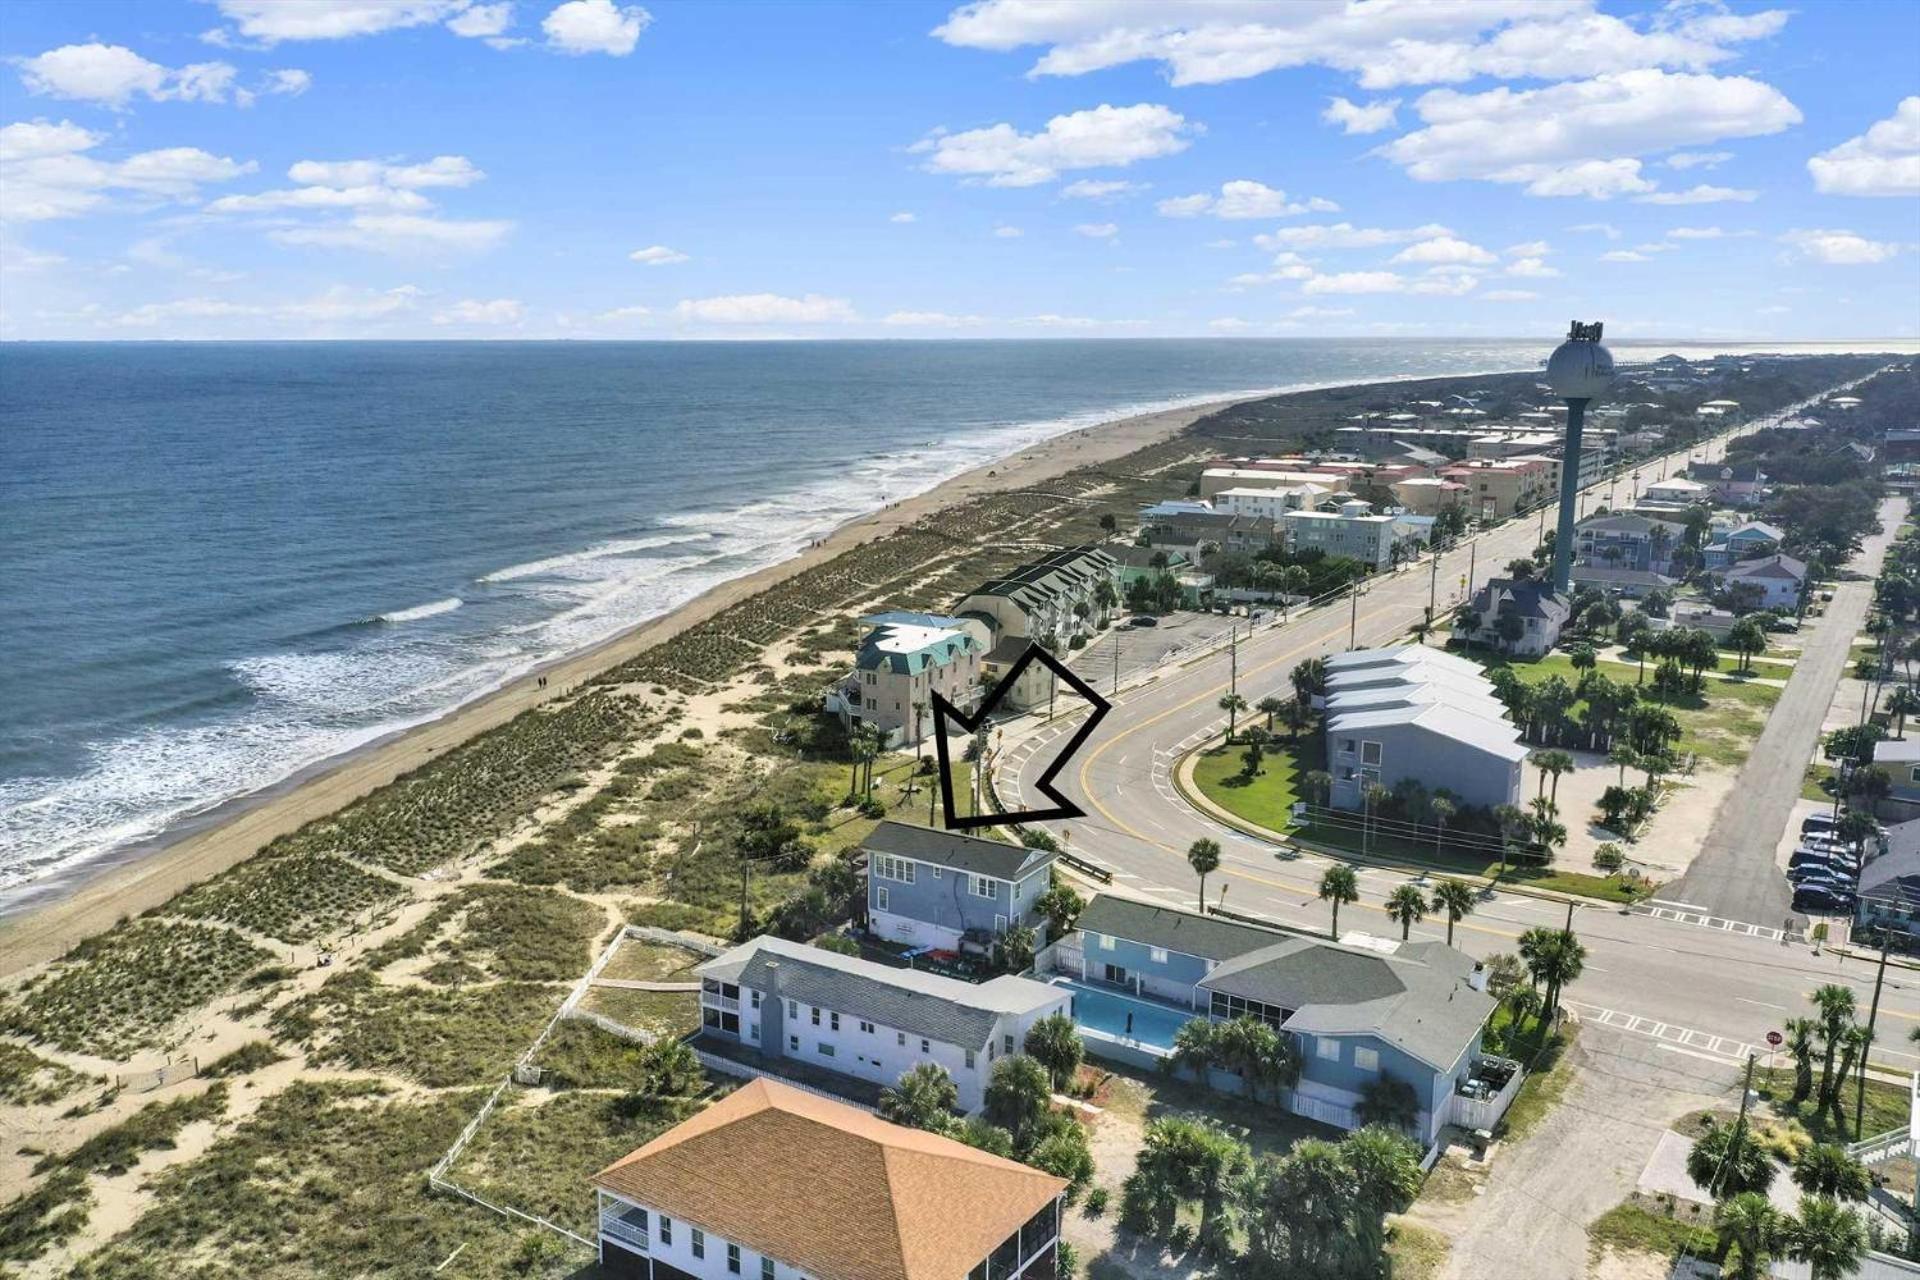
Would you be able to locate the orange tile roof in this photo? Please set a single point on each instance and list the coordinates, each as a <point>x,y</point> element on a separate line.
<point>831,1189</point>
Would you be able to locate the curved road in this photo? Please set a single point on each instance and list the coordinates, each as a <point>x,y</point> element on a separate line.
<point>1705,991</point>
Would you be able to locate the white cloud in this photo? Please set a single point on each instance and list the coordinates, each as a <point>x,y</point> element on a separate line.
<point>1229,324</point>
<point>1697,159</point>
<point>1530,249</point>
<point>1534,268</point>
<point>1223,244</point>
<point>1580,137</point>
<point>482,20</point>
<point>1775,310</point>
<point>46,173</point>
<point>1623,255</point>
<point>1104,136</point>
<point>371,197</point>
<point>1008,233</point>
<point>1386,282</point>
<point>1100,189</point>
<point>1097,230</point>
<point>1883,161</point>
<point>595,26</point>
<point>336,304</point>
<point>113,75</point>
<point>1606,229</point>
<point>657,255</point>
<point>271,21</point>
<point>765,308</point>
<point>357,184</point>
<point>398,233</point>
<point>635,312</point>
<point>1212,41</point>
<point>1286,266</point>
<point>930,320</point>
<point>1243,198</point>
<point>1508,295</point>
<point>1704,233</point>
<point>1702,194</point>
<point>290,81</point>
<point>1344,235</point>
<point>1445,251</point>
<point>1355,118</point>
<point>474,311</point>
<point>1319,313</point>
<point>1839,248</point>
<point>903,217</point>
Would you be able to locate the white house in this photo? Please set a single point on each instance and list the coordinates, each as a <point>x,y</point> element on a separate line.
<point>772,1183</point>
<point>1770,582</point>
<point>866,1020</point>
<point>902,662</point>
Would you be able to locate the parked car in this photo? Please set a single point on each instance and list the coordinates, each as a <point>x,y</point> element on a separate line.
<point>1822,822</point>
<point>1143,620</point>
<point>1821,900</point>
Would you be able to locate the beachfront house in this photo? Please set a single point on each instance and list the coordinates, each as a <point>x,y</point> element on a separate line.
<point>1519,616</point>
<point>1194,532</point>
<point>1769,582</point>
<point>950,892</point>
<point>1361,1011</point>
<point>772,1183</point>
<point>771,1001</point>
<point>1624,540</point>
<point>903,660</point>
<point>1052,600</point>
<point>1414,713</point>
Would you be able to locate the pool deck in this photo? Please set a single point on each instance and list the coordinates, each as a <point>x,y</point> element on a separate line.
<point>1151,1048</point>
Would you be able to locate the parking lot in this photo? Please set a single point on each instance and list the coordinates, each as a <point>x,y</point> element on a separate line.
<point>1142,647</point>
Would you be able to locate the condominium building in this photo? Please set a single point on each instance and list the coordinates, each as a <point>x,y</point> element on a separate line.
<point>1052,599</point>
<point>1495,489</point>
<point>902,662</point>
<point>1354,532</point>
<point>774,1183</point>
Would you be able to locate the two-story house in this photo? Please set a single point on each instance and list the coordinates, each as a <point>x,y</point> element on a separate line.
<point>772,1183</point>
<point>865,1020</point>
<point>1521,616</point>
<point>1623,540</point>
<point>1737,484</point>
<point>948,891</point>
<point>1359,1011</point>
<point>1769,582</point>
<point>1742,542</point>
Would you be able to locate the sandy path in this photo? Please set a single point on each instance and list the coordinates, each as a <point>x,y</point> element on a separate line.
<point>96,905</point>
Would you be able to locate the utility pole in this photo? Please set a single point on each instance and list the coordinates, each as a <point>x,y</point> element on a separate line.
<point>1433,589</point>
<point>1353,616</point>
<point>1873,1015</point>
<point>1473,560</point>
<point>1116,664</point>
<point>1233,658</point>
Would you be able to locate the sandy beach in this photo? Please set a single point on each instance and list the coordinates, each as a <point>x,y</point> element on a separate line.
<point>232,833</point>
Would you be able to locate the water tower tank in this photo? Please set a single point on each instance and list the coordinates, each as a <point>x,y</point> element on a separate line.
<point>1580,368</point>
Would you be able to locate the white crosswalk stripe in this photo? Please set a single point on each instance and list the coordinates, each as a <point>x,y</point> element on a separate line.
<point>1703,921</point>
<point>1706,1042</point>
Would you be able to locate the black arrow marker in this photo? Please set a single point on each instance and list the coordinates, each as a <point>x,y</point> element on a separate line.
<point>944,711</point>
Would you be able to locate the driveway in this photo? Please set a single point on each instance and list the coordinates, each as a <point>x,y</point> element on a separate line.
<point>1734,876</point>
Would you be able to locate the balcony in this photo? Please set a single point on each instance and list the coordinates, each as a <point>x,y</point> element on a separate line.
<point>630,1235</point>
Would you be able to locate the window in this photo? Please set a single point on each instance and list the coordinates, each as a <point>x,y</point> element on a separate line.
<point>793,1010</point>
<point>666,1229</point>
<point>1106,941</point>
<point>816,1015</point>
<point>1914,774</point>
<point>880,897</point>
<point>1369,753</point>
<point>756,999</point>
<point>888,867</point>
<point>834,1019</point>
<point>866,1026</point>
<point>902,1038</point>
<point>766,1269</point>
<point>985,887</point>
<point>1329,1049</point>
<point>699,1243</point>
<point>936,873</point>
<point>826,1050</point>
<point>1159,954</point>
<point>1366,1059</point>
<point>793,1043</point>
<point>925,1046</point>
<point>753,1032</point>
<point>969,1059</point>
<point>1346,745</point>
<point>1006,1044</point>
<point>733,1259</point>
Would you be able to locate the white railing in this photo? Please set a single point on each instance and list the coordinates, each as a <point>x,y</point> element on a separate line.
<point>618,1229</point>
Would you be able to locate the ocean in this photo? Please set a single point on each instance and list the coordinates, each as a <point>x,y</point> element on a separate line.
<point>223,563</point>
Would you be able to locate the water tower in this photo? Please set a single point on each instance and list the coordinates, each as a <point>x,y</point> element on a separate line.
<point>1578,370</point>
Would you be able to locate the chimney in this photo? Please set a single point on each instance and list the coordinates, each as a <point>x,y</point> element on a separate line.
<point>1478,978</point>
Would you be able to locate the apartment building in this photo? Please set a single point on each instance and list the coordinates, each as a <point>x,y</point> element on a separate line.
<point>901,663</point>
<point>1353,531</point>
<point>1495,489</point>
<point>1054,598</point>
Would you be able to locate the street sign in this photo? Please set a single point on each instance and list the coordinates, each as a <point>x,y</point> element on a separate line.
<point>1773,1039</point>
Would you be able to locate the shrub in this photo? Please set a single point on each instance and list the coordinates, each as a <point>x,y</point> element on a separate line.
<point>1096,1202</point>
<point>245,1060</point>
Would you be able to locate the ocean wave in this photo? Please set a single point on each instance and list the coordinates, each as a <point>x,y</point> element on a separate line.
<point>421,611</point>
<point>601,551</point>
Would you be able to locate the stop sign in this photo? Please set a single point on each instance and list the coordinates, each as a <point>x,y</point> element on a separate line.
<point>1773,1039</point>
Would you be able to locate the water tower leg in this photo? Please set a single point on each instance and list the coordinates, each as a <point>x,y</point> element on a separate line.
<point>1569,490</point>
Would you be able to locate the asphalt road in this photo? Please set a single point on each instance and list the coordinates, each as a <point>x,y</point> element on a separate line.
<point>1702,990</point>
<point>1735,875</point>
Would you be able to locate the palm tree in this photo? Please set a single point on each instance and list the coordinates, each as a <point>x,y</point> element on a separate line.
<point>1456,898</point>
<point>1270,707</point>
<point>1442,810</point>
<point>1319,782</point>
<point>1554,957</point>
<point>919,714</point>
<point>1623,757</point>
<point>1407,906</point>
<point>1373,795</point>
<point>1233,704</point>
<point>1827,1237</point>
<point>1553,764</point>
<point>1900,704</point>
<point>1386,1178</point>
<point>1203,855</point>
<point>1836,1007</point>
<point>1522,1003</point>
<point>924,1097</point>
<point>1801,1033</point>
<point>1338,884</point>
<point>1749,1222</point>
<point>1826,1169</point>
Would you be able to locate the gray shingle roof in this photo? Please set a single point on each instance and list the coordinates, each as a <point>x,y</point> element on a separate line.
<point>951,849</point>
<point>1416,999</point>
<point>923,1004</point>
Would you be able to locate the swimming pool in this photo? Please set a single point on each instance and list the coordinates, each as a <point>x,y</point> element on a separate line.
<point>1106,1013</point>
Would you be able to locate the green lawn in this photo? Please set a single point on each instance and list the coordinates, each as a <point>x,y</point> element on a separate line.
<point>1630,1228</point>
<point>1886,1105</point>
<point>1267,799</point>
<point>1813,787</point>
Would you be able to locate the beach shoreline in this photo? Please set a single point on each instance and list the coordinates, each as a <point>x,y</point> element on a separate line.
<point>61,910</point>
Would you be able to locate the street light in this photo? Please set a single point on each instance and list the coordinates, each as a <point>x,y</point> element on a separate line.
<point>1578,370</point>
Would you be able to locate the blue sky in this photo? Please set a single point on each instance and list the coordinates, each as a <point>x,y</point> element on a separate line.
<point>449,169</point>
